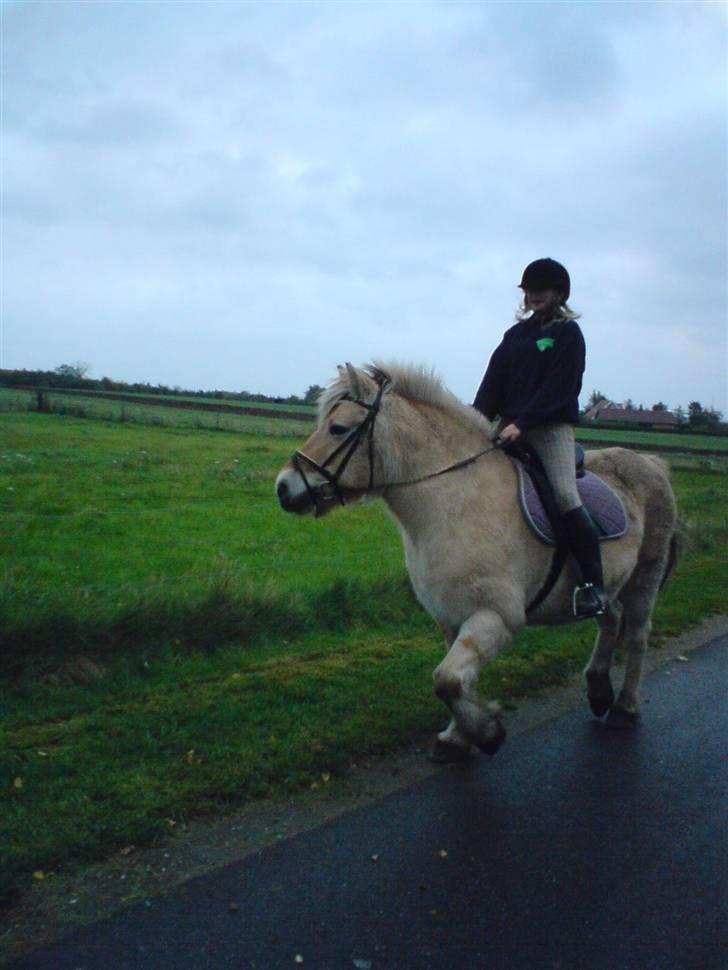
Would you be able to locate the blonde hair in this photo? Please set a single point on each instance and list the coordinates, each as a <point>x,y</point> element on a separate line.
<point>562,312</point>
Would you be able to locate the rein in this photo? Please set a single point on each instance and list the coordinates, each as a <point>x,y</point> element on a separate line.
<point>349,446</point>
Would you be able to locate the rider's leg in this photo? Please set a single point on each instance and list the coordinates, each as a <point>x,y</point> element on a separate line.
<point>554,445</point>
<point>583,539</point>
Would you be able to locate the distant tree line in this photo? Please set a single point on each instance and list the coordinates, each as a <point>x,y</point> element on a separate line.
<point>75,377</point>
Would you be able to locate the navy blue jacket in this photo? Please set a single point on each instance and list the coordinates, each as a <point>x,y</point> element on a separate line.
<point>534,376</point>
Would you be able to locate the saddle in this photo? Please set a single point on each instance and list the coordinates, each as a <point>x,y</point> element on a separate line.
<point>541,513</point>
<point>539,506</point>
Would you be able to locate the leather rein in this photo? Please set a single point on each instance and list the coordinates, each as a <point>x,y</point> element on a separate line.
<point>346,450</point>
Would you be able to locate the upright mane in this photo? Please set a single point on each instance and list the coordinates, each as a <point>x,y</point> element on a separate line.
<point>412,382</point>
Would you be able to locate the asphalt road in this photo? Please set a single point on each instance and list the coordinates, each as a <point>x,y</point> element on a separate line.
<point>573,848</point>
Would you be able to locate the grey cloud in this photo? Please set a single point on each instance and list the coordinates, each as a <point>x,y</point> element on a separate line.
<point>367,178</point>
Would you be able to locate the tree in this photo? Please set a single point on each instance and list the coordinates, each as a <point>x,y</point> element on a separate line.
<point>629,405</point>
<point>660,406</point>
<point>73,372</point>
<point>700,417</point>
<point>312,394</point>
<point>594,398</point>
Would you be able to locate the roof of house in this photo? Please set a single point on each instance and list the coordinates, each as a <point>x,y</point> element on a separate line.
<point>608,411</point>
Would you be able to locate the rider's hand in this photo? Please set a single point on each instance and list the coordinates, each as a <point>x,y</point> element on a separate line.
<point>510,433</point>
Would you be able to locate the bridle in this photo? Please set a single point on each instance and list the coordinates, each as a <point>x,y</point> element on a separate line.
<point>346,450</point>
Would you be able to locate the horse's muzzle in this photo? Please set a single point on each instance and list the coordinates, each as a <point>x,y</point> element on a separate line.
<point>291,500</point>
<point>303,498</point>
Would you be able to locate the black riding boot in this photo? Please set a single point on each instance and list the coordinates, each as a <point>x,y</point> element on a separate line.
<point>581,535</point>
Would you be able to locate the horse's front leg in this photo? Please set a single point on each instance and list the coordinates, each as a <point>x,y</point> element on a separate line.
<point>599,685</point>
<point>479,639</point>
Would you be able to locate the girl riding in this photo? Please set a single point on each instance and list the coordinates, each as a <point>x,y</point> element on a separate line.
<point>532,386</point>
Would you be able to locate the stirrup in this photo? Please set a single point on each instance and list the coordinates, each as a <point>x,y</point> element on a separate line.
<point>588,601</point>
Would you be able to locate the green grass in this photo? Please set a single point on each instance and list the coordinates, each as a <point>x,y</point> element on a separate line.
<point>681,441</point>
<point>109,409</point>
<point>12,395</point>
<point>222,402</point>
<point>174,645</point>
<point>119,536</point>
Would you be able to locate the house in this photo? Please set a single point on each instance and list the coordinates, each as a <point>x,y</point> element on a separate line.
<point>607,411</point>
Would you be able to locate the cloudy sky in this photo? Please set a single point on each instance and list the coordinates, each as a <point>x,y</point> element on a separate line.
<point>242,195</point>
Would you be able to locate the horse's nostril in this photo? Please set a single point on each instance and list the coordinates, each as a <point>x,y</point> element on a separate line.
<point>282,490</point>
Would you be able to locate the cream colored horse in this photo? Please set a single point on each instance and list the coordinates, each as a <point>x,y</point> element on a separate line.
<point>395,433</point>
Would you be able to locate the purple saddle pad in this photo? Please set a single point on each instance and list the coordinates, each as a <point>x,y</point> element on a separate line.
<point>604,505</point>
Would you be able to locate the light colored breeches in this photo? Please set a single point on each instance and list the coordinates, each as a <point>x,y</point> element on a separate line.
<point>554,445</point>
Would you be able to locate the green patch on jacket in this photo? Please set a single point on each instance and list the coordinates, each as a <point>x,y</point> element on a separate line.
<point>545,343</point>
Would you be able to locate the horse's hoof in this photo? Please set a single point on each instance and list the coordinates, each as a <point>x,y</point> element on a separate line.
<point>494,742</point>
<point>447,753</point>
<point>600,695</point>
<point>620,719</point>
<point>600,703</point>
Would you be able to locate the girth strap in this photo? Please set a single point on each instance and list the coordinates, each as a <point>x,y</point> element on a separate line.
<point>561,554</point>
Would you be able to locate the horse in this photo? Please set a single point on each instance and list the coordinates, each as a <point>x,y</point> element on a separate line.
<point>395,433</point>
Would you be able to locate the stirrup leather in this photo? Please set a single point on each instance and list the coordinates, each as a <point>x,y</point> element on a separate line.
<point>588,601</point>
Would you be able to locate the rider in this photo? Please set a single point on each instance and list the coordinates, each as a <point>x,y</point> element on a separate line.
<point>532,385</point>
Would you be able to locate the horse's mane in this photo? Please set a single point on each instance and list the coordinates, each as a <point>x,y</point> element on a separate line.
<point>412,382</point>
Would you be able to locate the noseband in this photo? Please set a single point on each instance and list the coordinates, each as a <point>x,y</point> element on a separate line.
<point>347,448</point>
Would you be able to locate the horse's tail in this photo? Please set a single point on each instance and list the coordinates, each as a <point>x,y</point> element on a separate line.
<point>678,544</point>
<point>678,539</point>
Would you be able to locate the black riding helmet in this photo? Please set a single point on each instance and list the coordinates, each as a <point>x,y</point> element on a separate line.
<point>546,274</point>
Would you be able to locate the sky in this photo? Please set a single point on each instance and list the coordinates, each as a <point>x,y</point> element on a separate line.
<point>240,196</point>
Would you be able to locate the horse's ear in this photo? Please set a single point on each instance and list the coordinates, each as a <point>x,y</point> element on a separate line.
<point>354,380</point>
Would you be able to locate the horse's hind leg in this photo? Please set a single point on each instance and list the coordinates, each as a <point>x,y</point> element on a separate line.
<point>638,600</point>
<point>599,685</point>
<point>480,638</point>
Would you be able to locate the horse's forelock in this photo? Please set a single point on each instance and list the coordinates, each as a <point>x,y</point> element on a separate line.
<point>328,398</point>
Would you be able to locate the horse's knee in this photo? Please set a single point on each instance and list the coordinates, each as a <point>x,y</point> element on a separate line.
<point>456,677</point>
<point>448,685</point>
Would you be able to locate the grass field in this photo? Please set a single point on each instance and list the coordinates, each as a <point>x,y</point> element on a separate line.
<point>652,439</point>
<point>173,644</point>
<point>157,415</point>
<point>29,395</point>
<point>222,402</point>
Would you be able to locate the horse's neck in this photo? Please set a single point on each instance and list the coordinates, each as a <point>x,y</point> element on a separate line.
<point>428,440</point>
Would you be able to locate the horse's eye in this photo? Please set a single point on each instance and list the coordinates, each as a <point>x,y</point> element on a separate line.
<point>338,430</point>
